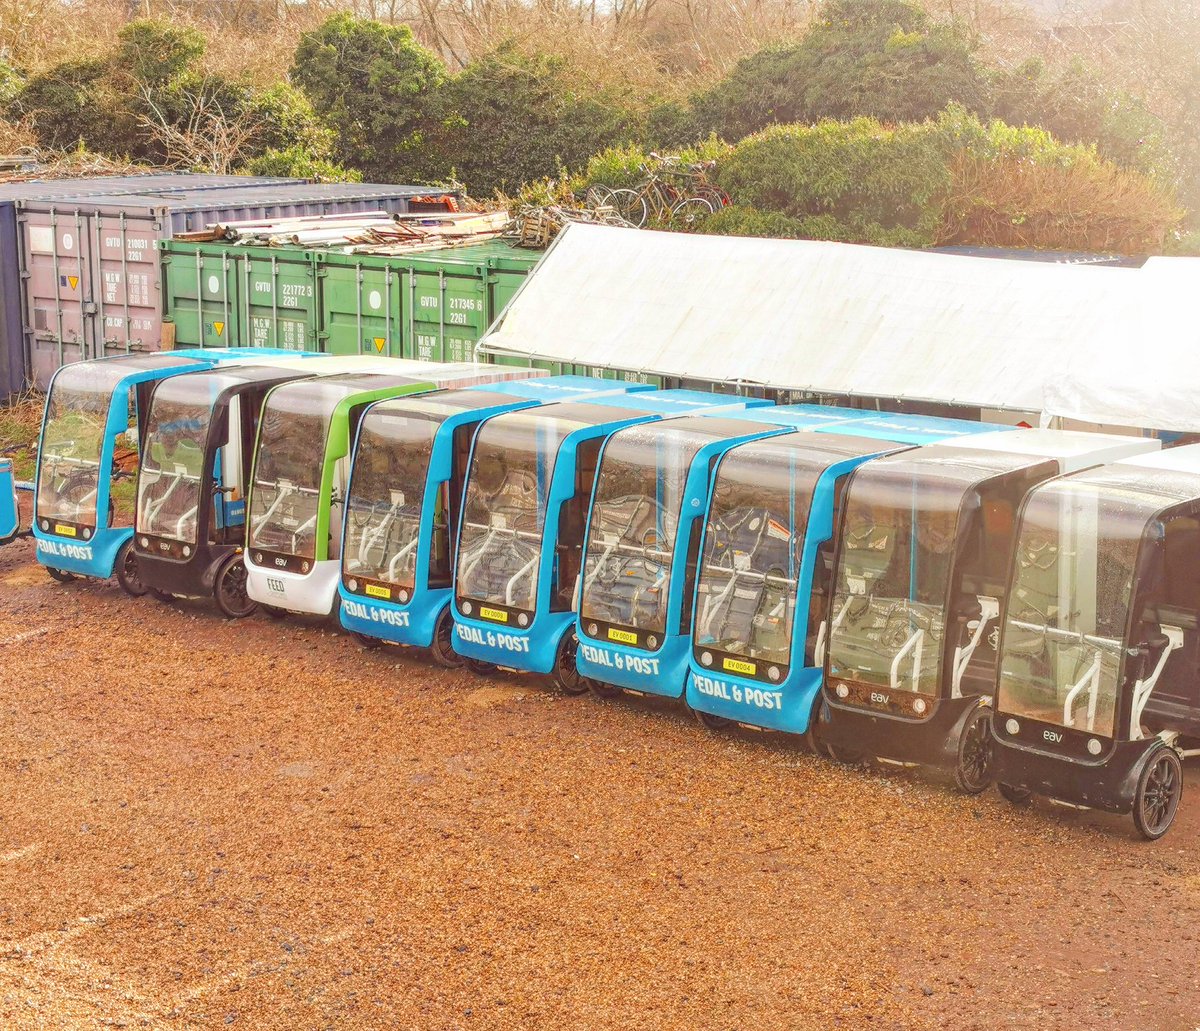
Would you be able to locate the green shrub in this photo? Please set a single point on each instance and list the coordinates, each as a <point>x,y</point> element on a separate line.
<point>297,162</point>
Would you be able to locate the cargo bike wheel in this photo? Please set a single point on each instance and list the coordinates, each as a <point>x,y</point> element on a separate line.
<point>229,590</point>
<point>566,675</point>
<point>1159,789</point>
<point>441,649</point>
<point>128,575</point>
<point>973,771</point>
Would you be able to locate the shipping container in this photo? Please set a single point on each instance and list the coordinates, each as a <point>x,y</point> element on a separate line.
<point>429,305</point>
<point>90,266</point>
<point>12,336</point>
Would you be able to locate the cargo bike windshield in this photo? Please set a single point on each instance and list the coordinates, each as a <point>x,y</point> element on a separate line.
<point>170,489</point>
<point>634,523</point>
<point>504,510</point>
<point>749,578</point>
<point>285,500</point>
<point>72,449</point>
<point>922,565</point>
<point>386,498</point>
<point>1066,632</point>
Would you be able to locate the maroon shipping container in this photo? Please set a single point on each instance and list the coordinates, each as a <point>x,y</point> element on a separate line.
<point>90,266</point>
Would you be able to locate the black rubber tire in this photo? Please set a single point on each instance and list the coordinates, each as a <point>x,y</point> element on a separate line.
<point>229,589</point>
<point>366,642</point>
<point>811,738</point>
<point>973,770</point>
<point>710,722</point>
<point>844,756</point>
<point>479,667</point>
<point>566,675</point>
<point>1016,795</point>
<point>1160,787</point>
<point>127,571</point>
<point>60,575</point>
<point>599,689</point>
<point>441,650</point>
<point>273,611</point>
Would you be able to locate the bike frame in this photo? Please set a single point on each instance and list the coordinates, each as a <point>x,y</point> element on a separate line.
<point>406,616</point>
<point>90,549</point>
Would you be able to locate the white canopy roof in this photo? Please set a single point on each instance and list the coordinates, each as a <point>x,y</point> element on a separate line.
<point>1096,343</point>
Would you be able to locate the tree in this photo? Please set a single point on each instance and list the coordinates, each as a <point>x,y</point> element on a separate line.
<point>511,117</point>
<point>374,85</point>
<point>880,58</point>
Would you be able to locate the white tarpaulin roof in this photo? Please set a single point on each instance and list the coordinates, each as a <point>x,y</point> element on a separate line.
<point>1102,344</point>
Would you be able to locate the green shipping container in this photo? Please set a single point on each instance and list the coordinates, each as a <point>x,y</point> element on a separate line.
<point>433,305</point>
<point>219,295</point>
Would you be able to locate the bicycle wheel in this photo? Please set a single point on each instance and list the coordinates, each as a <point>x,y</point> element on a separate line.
<point>691,212</point>
<point>631,206</point>
<point>598,197</point>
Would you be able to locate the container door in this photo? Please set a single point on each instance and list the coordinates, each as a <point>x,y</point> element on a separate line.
<point>125,287</point>
<point>202,297</point>
<point>57,306</point>
<point>279,296</point>
<point>447,311</point>
<point>361,308</point>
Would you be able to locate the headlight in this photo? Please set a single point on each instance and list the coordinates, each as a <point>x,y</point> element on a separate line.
<point>1012,726</point>
<point>352,584</point>
<point>919,706</point>
<point>304,567</point>
<point>258,556</point>
<point>87,533</point>
<point>773,673</point>
<point>593,630</point>
<point>1094,746</point>
<point>843,691</point>
<point>187,550</point>
<point>652,641</point>
<point>522,620</point>
<point>144,541</point>
<point>467,608</point>
<point>706,658</point>
<point>46,524</point>
<point>402,594</point>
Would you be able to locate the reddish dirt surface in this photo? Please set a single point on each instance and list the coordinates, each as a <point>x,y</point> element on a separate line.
<point>257,824</point>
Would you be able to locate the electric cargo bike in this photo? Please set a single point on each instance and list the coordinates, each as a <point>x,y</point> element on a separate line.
<point>919,585</point>
<point>653,487</point>
<point>405,494</point>
<point>301,469</point>
<point>520,543</point>
<point>190,518</point>
<point>761,611</point>
<point>92,426</point>
<point>1098,696</point>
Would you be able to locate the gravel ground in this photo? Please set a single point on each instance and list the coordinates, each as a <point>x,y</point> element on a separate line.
<point>259,825</point>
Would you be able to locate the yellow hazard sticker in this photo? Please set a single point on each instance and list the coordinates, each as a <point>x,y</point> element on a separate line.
<point>740,666</point>
<point>624,636</point>
<point>380,343</point>
<point>499,615</point>
<point>64,531</point>
<point>219,328</point>
<point>379,592</point>
<point>73,280</point>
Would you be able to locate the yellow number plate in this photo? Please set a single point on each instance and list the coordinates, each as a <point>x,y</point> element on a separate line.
<point>624,636</point>
<point>64,531</point>
<point>379,592</point>
<point>738,666</point>
<point>498,615</point>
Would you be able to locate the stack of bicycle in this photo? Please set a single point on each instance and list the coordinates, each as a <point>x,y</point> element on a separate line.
<point>1011,605</point>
